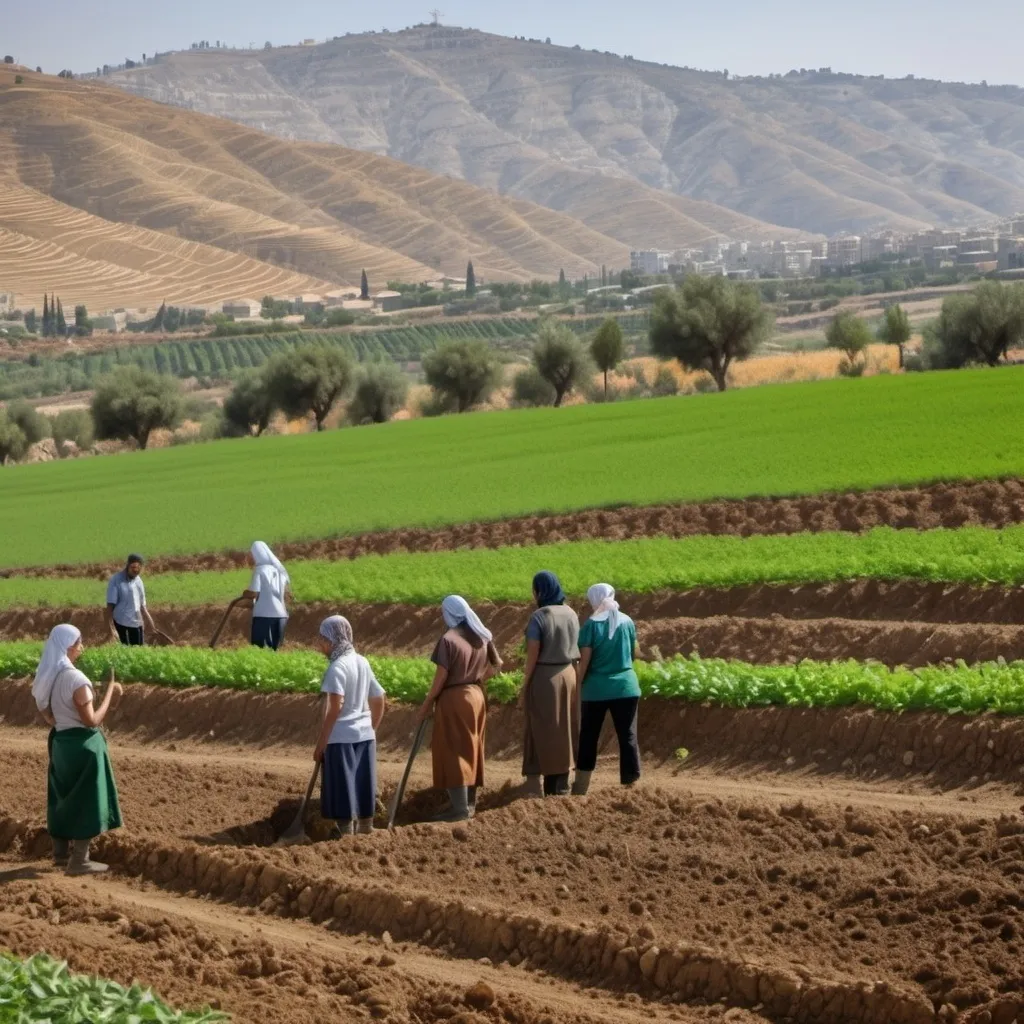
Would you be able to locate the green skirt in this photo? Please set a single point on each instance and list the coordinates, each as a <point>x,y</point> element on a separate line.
<point>81,798</point>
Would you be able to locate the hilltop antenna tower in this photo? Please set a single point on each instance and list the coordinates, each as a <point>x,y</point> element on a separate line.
<point>437,16</point>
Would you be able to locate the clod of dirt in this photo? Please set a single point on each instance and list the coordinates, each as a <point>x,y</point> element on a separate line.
<point>480,996</point>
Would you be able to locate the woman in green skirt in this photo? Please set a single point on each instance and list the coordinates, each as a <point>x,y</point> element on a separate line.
<point>81,800</point>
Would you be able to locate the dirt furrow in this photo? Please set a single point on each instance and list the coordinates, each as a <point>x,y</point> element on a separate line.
<point>993,503</point>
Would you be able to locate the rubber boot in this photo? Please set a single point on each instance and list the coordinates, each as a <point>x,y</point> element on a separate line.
<point>556,785</point>
<point>581,783</point>
<point>534,787</point>
<point>79,862</point>
<point>471,800</point>
<point>343,827</point>
<point>61,852</point>
<point>364,827</point>
<point>459,810</point>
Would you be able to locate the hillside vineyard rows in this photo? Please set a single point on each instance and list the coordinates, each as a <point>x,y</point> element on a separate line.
<point>883,430</point>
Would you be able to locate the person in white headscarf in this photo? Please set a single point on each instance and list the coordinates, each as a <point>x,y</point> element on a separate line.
<point>81,797</point>
<point>347,745</point>
<point>608,684</point>
<point>466,658</point>
<point>267,591</point>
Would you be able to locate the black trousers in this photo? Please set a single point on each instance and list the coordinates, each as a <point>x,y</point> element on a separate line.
<point>267,632</point>
<point>131,636</point>
<point>624,716</point>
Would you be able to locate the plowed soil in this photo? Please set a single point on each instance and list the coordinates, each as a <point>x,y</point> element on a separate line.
<point>995,503</point>
<point>737,892</point>
<point>902,623</point>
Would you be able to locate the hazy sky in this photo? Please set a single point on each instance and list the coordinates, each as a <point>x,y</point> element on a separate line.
<point>949,39</point>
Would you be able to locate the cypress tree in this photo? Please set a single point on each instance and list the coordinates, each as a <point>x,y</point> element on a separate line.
<point>46,317</point>
<point>470,280</point>
<point>62,324</point>
<point>364,287</point>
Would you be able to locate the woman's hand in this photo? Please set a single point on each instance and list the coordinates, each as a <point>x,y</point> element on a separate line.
<point>318,754</point>
<point>425,711</point>
<point>114,688</point>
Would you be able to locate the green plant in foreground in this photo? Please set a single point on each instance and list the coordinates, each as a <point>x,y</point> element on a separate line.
<point>992,686</point>
<point>43,991</point>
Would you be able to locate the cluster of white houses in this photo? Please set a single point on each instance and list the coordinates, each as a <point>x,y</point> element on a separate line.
<point>999,248</point>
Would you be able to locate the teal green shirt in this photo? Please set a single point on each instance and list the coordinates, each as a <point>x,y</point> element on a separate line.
<point>610,675</point>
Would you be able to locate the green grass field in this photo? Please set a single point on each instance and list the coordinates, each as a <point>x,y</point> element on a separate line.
<point>788,439</point>
<point>967,555</point>
<point>952,688</point>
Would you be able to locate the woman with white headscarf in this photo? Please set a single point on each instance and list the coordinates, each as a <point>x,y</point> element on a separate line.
<point>608,684</point>
<point>81,798</point>
<point>267,592</point>
<point>347,746</point>
<point>465,658</point>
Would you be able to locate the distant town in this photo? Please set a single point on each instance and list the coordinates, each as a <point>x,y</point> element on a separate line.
<point>995,249</point>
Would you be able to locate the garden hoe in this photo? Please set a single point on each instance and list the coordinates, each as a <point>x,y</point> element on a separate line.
<point>216,636</point>
<point>296,831</point>
<point>400,792</point>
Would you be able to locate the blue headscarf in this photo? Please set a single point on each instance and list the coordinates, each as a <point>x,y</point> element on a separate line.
<point>548,589</point>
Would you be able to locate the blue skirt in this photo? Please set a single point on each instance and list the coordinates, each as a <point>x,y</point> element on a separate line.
<point>349,788</point>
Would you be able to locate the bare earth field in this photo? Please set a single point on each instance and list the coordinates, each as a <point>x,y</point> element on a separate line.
<point>799,866</point>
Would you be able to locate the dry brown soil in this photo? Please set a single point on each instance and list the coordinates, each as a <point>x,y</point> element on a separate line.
<point>797,865</point>
<point>994,503</point>
<point>902,623</point>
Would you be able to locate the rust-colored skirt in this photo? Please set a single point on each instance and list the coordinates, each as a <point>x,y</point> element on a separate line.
<point>457,743</point>
<point>552,721</point>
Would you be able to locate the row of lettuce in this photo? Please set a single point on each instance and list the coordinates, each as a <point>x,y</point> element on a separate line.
<point>993,686</point>
<point>975,555</point>
<point>41,990</point>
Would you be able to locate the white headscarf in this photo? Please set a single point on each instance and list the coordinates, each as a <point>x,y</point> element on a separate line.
<point>338,630</point>
<point>54,660</point>
<point>262,555</point>
<point>456,612</point>
<point>602,599</point>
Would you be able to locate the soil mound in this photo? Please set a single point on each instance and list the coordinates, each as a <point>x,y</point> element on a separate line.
<point>994,503</point>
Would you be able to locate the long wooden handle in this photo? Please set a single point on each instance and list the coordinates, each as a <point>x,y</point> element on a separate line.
<point>400,792</point>
<point>216,636</point>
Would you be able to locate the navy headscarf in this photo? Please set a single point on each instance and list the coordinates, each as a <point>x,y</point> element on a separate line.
<point>548,589</point>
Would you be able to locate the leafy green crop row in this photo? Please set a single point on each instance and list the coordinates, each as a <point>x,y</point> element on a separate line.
<point>969,555</point>
<point>792,439</point>
<point>995,686</point>
<point>42,991</point>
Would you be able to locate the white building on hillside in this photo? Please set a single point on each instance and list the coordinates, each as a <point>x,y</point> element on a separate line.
<point>649,261</point>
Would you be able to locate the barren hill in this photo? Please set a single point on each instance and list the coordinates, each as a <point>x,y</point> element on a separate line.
<point>108,199</point>
<point>633,149</point>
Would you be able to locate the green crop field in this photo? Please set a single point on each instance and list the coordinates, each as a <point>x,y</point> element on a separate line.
<point>41,990</point>
<point>966,555</point>
<point>786,439</point>
<point>952,688</point>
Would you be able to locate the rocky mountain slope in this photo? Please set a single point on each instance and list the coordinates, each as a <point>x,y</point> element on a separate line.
<point>645,153</point>
<point>111,199</point>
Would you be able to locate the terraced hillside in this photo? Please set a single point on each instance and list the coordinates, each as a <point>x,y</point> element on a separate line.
<point>647,153</point>
<point>108,197</point>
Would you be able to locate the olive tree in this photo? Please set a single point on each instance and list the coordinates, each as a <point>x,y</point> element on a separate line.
<point>381,390</point>
<point>895,329</point>
<point>607,348</point>
<point>561,359</point>
<point>851,336</point>
<point>707,322</point>
<point>309,380</point>
<point>980,327</point>
<point>33,423</point>
<point>249,408</point>
<point>13,443</point>
<point>131,403</point>
<point>462,373</point>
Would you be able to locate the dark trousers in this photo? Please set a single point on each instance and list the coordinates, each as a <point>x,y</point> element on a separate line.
<point>556,785</point>
<point>624,715</point>
<point>267,632</point>
<point>131,636</point>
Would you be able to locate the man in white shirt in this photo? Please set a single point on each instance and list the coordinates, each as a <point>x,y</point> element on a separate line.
<point>126,604</point>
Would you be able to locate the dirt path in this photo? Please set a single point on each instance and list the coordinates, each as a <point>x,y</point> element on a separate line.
<point>989,503</point>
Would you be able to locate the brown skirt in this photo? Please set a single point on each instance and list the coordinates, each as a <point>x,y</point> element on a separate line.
<point>552,721</point>
<point>457,743</point>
